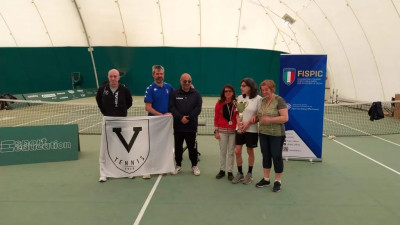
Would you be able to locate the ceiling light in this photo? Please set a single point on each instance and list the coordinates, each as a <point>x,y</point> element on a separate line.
<point>288,19</point>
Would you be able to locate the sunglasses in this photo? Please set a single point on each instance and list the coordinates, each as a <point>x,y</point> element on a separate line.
<point>228,91</point>
<point>186,81</point>
<point>243,85</point>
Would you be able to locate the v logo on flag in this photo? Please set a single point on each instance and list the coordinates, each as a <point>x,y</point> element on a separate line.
<point>136,131</point>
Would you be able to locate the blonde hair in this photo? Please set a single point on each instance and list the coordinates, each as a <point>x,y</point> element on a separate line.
<point>269,83</point>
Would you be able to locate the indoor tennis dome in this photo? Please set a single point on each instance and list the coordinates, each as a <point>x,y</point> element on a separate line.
<point>45,42</point>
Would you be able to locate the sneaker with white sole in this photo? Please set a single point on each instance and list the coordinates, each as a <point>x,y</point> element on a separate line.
<point>248,178</point>
<point>196,170</point>
<point>103,179</point>
<point>263,183</point>
<point>177,170</point>
<point>238,178</point>
<point>277,186</point>
<point>146,176</point>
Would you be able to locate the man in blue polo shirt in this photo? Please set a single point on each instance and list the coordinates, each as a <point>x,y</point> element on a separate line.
<point>156,98</point>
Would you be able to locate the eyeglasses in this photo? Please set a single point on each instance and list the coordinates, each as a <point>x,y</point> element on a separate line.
<point>186,81</point>
<point>227,91</point>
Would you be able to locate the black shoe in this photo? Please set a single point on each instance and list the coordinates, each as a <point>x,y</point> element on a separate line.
<point>263,183</point>
<point>230,176</point>
<point>220,175</point>
<point>277,186</point>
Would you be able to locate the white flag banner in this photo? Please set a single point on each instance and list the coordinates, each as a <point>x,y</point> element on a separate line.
<point>135,146</point>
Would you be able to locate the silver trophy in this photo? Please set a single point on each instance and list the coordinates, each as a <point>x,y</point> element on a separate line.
<point>240,106</point>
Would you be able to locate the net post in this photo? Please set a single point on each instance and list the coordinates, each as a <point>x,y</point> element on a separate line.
<point>397,107</point>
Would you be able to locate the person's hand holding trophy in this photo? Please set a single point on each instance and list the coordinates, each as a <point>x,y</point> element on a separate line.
<point>240,106</point>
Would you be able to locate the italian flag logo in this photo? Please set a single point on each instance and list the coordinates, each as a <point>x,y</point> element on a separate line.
<point>289,75</point>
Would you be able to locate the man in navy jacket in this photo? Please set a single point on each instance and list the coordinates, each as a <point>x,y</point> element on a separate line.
<point>185,105</point>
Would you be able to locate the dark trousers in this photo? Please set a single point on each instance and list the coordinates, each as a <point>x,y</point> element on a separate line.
<point>190,139</point>
<point>271,149</point>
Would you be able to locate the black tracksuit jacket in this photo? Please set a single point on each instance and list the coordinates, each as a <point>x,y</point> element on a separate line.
<point>116,104</point>
<point>185,104</point>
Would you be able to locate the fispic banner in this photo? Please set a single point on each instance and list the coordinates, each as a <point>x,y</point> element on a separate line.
<point>134,146</point>
<point>302,85</point>
<point>34,144</point>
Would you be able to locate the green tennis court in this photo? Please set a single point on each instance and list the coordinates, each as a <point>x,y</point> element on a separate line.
<point>346,188</point>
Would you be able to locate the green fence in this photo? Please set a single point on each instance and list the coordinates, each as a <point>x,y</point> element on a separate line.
<point>31,70</point>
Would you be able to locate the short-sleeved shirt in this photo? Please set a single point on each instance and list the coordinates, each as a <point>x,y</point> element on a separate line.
<point>158,97</point>
<point>251,109</point>
<point>271,110</point>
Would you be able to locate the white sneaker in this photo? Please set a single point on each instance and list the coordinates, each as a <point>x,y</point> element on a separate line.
<point>196,170</point>
<point>146,176</point>
<point>103,179</point>
<point>177,169</point>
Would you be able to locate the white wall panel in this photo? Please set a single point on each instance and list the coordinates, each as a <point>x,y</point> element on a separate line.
<point>7,39</point>
<point>62,21</point>
<point>103,22</point>
<point>382,28</point>
<point>143,25</point>
<point>25,23</point>
<point>181,23</point>
<point>256,28</point>
<point>219,23</point>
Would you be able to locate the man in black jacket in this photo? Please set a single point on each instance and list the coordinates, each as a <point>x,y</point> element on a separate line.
<point>113,98</point>
<point>185,105</point>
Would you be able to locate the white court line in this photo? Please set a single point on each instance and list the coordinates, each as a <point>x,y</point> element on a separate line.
<point>22,124</point>
<point>62,114</point>
<point>146,203</point>
<point>364,132</point>
<point>90,126</point>
<point>82,118</point>
<point>373,160</point>
<point>6,118</point>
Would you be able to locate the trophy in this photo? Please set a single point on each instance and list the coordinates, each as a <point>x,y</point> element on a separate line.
<point>240,106</point>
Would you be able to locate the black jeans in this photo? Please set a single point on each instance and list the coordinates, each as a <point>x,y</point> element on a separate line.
<point>190,139</point>
<point>271,149</point>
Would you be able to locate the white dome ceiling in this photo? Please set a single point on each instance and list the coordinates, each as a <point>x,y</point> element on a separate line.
<point>360,37</point>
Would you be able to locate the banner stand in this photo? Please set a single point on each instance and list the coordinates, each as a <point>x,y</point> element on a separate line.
<point>302,85</point>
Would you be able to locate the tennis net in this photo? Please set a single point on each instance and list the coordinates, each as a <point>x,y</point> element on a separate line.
<point>17,113</point>
<point>352,119</point>
<point>349,119</point>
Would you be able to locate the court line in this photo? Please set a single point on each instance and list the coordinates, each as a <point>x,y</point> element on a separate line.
<point>373,160</point>
<point>146,203</point>
<point>40,119</point>
<point>83,118</point>
<point>90,126</point>
<point>363,132</point>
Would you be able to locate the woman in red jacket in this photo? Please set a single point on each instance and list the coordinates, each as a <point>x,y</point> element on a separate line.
<point>225,126</point>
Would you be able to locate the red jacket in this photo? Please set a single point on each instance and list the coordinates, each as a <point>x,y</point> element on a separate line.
<point>219,119</point>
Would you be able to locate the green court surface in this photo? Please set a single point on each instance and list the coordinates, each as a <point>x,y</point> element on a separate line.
<point>357,182</point>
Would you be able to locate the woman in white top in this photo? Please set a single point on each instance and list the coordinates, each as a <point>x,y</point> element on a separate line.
<point>247,131</point>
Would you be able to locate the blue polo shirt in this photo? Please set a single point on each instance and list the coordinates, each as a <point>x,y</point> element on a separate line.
<point>158,97</point>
